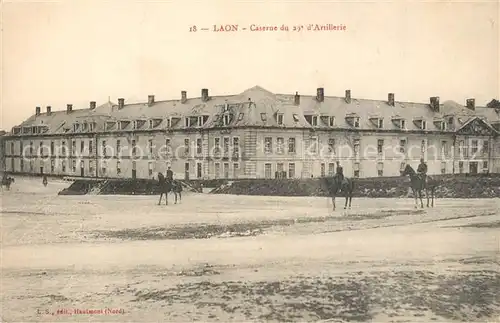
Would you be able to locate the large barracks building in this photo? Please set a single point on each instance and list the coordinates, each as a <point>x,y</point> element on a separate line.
<point>255,134</point>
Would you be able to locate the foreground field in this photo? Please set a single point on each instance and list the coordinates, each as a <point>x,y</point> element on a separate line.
<point>241,258</point>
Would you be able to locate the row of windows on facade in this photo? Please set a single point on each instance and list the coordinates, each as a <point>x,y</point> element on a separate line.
<point>268,146</point>
<point>235,170</point>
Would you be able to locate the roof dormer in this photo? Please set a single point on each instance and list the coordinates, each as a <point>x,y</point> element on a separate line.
<point>399,122</point>
<point>420,122</point>
<point>440,123</point>
<point>328,120</point>
<point>353,120</point>
<point>377,121</point>
<point>312,119</point>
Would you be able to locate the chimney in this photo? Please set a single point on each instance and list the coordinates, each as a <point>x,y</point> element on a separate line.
<point>434,103</point>
<point>471,104</point>
<point>151,100</point>
<point>37,111</point>
<point>297,98</point>
<point>121,103</point>
<point>348,96</point>
<point>92,105</point>
<point>320,94</point>
<point>49,110</point>
<point>204,95</point>
<point>69,108</point>
<point>390,99</point>
<point>183,97</point>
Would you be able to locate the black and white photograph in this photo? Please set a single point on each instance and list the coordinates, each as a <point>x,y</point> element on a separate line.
<point>250,161</point>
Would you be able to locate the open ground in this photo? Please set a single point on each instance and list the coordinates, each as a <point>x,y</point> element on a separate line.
<point>245,258</point>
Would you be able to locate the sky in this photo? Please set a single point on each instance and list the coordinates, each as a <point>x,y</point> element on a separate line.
<point>60,52</point>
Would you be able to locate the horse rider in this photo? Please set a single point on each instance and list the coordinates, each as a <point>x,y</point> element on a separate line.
<point>340,175</point>
<point>170,175</point>
<point>422,170</point>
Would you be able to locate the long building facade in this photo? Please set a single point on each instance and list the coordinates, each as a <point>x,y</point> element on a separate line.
<point>256,134</point>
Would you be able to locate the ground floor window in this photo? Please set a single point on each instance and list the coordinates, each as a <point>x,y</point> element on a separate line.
<point>380,169</point>
<point>91,168</point>
<point>198,170</point>
<point>331,169</point>
<point>226,170</point>
<point>64,166</point>
<point>118,167</point>
<point>323,169</point>
<point>443,167</point>
<point>22,164</point>
<point>217,170</point>
<point>356,170</point>
<point>485,165</point>
<point>267,170</point>
<point>74,166</point>
<point>461,167</point>
<point>236,170</point>
<point>150,168</point>
<point>291,170</point>
<point>52,165</point>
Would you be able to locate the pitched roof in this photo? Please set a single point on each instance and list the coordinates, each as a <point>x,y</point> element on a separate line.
<point>258,107</point>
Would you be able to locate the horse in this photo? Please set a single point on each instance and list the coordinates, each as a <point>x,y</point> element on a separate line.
<point>6,181</point>
<point>169,186</point>
<point>418,185</point>
<point>346,187</point>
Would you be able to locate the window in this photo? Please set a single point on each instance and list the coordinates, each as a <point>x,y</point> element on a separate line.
<point>134,124</point>
<point>40,148</point>
<point>295,117</point>
<point>134,165</point>
<point>227,119</point>
<point>380,123</point>
<point>225,145</point>
<point>240,116</point>
<point>263,117</point>
<point>291,170</point>
<point>442,126</point>
<point>90,147</point>
<point>167,146</point>
<point>52,166</point>
<point>169,123</point>
<point>356,147</point>
<point>356,170</point>
<point>314,121</point>
<point>217,170</point>
<point>331,121</point>
<point>134,148</point>
<point>460,167</point>
<point>199,170</point>
<point>118,167</point>
<point>236,168</point>
<point>151,124</point>
<point>63,147</point>
<point>380,146</point>
<point>291,145</point>
<point>403,124</point>
<point>104,148</point>
<point>82,146</point>
<point>22,164</point>
<point>73,147</point>
<point>331,169</point>
<point>323,170</point>
<point>450,121</point>
<point>485,165</point>
<point>216,145</point>
<point>64,166</point>
<point>150,168</point>
<point>356,122</point>
<point>198,146</point>
<point>236,146</point>
<point>91,126</point>
<point>314,145</point>
<point>424,125</point>
<point>31,148</point>
<point>91,167</point>
<point>74,166</point>
<point>279,167</point>
<point>226,170</point>
<point>280,119</point>
<point>51,148</point>
<point>104,167</point>
<point>423,146</point>
<point>150,147</point>
<point>380,169</point>
<point>331,145</point>
<point>474,147</point>
<point>461,149</point>
<point>280,143</point>
<point>486,147</point>
<point>268,145</point>
<point>267,170</point>
<point>402,146</point>
<point>118,147</point>
<point>444,148</point>
<point>443,167</point>
<point>187,122</point>
<point>186,146</point>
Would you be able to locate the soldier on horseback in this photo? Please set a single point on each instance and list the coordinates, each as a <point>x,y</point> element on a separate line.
<point>170,175</point>
<point>422,170</point>
<point>340,175</point>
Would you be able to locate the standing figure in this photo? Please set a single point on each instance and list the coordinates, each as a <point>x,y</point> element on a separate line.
<point>340,176</point>
<point>44,180</point>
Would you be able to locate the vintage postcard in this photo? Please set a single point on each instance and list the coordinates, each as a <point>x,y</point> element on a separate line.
<point>250,161</point>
